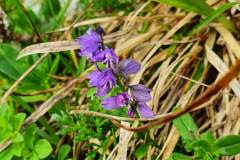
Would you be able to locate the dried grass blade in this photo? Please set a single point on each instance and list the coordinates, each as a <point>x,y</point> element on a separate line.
<point>47,47</point>
<point>222,68</point>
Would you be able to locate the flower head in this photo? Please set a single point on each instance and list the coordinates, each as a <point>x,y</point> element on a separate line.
<point>89,44</point>
<point>102,80</point>
<point>129,66</point>
<point>117,101</point>
<point>107,56</point>
<point>142,109</point>
<point>140,93</point>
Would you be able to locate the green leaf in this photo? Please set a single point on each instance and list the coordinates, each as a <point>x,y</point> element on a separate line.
<point>207,136</point>
<point>186,127</point>
<point>17,138</point>
<point>19,21</point>
<point>29,135</point>
<point>141,151</point>
<point>34,98</point>
<point>5,134</point>
<point>34,156</point>
<point>204,145</point>
<point>8,64</point>
<point>12,68</point>
<point>63,152</point>
<point>61,14</point>
<point>43,148</point>
<point>200,7</point>
<point>18,120</point>
<point>6,154</point>
<point>212,16</point>
<point>17,149</point>
<point>81,65</point>
<point>50,9</point>
<point>227,145</point>
<point>179,156</point>
<point>91,92</point>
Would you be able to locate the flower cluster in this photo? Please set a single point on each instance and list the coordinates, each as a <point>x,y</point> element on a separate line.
<point>93,48</point>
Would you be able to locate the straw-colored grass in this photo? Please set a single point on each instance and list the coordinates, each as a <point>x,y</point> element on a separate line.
<point>169,74</point>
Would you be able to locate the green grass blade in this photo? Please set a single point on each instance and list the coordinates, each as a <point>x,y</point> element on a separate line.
<point>214,15</point>
<point>197,6</point>
<point>200,7</point>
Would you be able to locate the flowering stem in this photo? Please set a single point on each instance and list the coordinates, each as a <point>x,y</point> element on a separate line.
<point>98,68</point>
<point>121,83</point>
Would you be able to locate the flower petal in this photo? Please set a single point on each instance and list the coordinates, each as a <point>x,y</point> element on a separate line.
<point>140,93</point>
<point>103,80</point>
<point>102,90</point>
<point>89,43</point>
<point>94,78</point>
<point>107,56</point>
<point>145,111</point>
<point>117,101</point>
<point>129,66</point>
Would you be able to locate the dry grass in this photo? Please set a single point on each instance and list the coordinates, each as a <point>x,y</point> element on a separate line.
<point>171,76</point>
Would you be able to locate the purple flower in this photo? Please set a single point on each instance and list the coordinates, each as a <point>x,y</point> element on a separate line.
<point>144,110</point>
<point>129,66</point>
<point>117,101</point>
<point>107,56</point>
<point>103,80</point>
<point>89,44</point>
<point>140,93</point>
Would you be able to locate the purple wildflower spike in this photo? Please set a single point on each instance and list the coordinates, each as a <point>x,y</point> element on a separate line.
<point>102,80</point>
<point>89,44</point>
<point>144,110</point>
<point>117,101</point>
<point>140,93</point>
<point>129,66</point>
<point>107,56</point>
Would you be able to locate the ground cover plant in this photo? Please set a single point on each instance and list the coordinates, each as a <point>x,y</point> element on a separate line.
<point>124,79</point>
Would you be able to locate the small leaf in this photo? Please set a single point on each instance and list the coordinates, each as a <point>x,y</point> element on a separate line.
<point>18,120</point>
<point>207,136</point>
<point>179,156</point>
<point>204,145</point>
<point>91,92</point>
<point>17,149</point>
<point>141,151</point>
<point>186,126</point>
<point>34,156</point>
<point>215,14</point>
<point>201,7</point>
<point>17,138</point>
<point>29,135</point>
<point>6,154</point>
<point>227,145</point>
<point>63,152</point>
<point>43,148</point>
<point>34,98</point>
